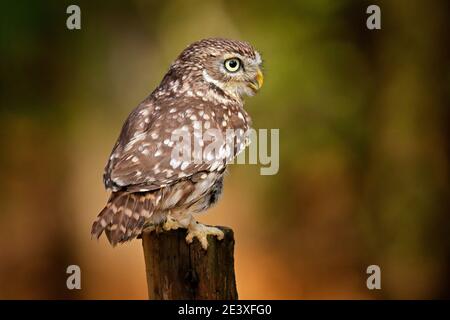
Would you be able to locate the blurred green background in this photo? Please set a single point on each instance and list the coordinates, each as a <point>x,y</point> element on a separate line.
<point>364,144</point>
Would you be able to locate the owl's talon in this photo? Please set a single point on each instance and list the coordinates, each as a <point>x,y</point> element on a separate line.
<point>171,224</point>
<point>201,232</point>
<point>149,228</point>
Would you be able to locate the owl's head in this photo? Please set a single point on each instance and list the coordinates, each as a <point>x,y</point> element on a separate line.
<point>228,65</point>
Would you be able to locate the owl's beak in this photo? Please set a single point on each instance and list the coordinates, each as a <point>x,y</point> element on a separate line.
<point>257,83</point>
<point>259,79</point>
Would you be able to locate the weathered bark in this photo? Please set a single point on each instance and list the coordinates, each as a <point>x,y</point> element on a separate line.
<point>176,270</point>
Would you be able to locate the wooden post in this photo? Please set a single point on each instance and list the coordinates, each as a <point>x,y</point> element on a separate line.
<point>177,270</point>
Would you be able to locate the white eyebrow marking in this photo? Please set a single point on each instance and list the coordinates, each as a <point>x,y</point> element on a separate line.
<point>258,57</point>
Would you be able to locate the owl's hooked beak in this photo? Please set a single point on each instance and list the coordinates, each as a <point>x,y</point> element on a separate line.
<point>257,83</point>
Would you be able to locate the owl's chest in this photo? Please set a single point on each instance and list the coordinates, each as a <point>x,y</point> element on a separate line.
<point>232,117</point>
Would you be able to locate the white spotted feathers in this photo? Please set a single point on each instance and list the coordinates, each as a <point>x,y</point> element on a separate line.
<point>174,147</point>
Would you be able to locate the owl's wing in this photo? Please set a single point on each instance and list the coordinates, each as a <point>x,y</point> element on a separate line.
<point>160,146</point>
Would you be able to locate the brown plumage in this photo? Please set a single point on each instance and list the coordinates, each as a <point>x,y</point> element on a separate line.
<point>124,216</point>
<point>200,100</point>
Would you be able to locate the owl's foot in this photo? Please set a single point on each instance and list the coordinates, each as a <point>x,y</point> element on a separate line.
<point>171,224</point>
<point>201,232</point>
<point>149,228</point>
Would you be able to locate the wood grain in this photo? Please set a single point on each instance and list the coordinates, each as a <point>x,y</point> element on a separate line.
<point>177,270</point>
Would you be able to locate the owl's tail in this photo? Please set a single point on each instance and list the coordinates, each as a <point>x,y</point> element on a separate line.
<point>124,216</point>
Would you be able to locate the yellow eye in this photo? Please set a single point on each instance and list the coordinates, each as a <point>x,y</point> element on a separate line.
<point>232,65</point>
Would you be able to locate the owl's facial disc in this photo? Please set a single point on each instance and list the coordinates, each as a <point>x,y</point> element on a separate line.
<point>235,74</point>
<point>241,75</point>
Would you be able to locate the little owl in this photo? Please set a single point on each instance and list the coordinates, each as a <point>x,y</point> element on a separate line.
<point>200,99</point>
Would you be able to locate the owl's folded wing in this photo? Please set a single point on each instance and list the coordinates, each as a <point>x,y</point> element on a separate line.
<point>160,146</point>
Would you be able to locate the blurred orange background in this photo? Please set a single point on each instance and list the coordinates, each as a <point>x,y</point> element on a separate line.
<point>364,144</point>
